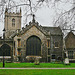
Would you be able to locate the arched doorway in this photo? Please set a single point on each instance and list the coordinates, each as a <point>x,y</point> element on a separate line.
<point>5,50</point>
<point>33,46</point>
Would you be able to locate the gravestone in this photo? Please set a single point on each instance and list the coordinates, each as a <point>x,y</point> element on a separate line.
<point>66,61</point>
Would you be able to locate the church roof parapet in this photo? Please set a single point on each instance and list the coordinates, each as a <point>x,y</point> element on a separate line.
<point>16,32</point>
<point>36,25</point>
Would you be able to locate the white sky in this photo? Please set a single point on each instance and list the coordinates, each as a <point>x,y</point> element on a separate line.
<point>44,15</point>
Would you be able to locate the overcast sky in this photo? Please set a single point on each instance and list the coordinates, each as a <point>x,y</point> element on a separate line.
<point>43,15</point>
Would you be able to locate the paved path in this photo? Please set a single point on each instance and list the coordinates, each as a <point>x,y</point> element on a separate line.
<point>37,68</point>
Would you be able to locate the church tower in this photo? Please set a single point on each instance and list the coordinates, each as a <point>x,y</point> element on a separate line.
<point>12,22</point>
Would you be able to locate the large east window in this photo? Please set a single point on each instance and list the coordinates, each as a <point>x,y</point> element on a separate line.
<point>33,46</point>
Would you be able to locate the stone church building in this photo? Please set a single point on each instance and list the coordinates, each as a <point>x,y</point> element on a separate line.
<point>31,40</point>
<point>70,46</point>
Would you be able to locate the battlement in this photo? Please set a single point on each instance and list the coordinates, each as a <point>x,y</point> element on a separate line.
<point>12,21</point>
<point>12,13</point>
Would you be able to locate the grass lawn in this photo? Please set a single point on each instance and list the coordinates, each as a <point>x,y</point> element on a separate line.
<point>37,72</point>
<point>42,65</point>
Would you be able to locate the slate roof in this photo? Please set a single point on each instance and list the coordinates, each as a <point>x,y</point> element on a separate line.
<point>69,34</point>
<point>53,30</point>
<point>70,40</point>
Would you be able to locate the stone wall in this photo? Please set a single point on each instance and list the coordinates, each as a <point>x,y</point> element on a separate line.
<point>57,51</point>
<point>34,31</point>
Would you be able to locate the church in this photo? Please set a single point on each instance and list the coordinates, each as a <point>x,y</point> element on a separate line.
<point>31,40</point>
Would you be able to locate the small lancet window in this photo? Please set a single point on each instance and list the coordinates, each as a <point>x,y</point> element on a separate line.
<point>13,22</point>
<point>48,43</point>
<point>56,44</point>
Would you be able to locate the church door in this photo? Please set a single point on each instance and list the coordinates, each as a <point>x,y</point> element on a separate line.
<point>33,46</point>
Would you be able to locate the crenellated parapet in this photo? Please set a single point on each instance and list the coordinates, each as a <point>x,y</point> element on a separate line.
<point>12,22</point>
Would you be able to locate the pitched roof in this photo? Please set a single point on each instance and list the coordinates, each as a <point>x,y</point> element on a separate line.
<point>37,26</point>
<point>69,34</point>
<point>70,40</point>
<point>53,30</point>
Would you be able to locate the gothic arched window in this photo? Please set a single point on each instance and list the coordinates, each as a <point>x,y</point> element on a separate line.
<point>5,50</point>
<point>33,46</point>
<point>13,22</point>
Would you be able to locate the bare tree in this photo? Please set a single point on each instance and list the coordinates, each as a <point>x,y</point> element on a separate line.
<point>63,19</point>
